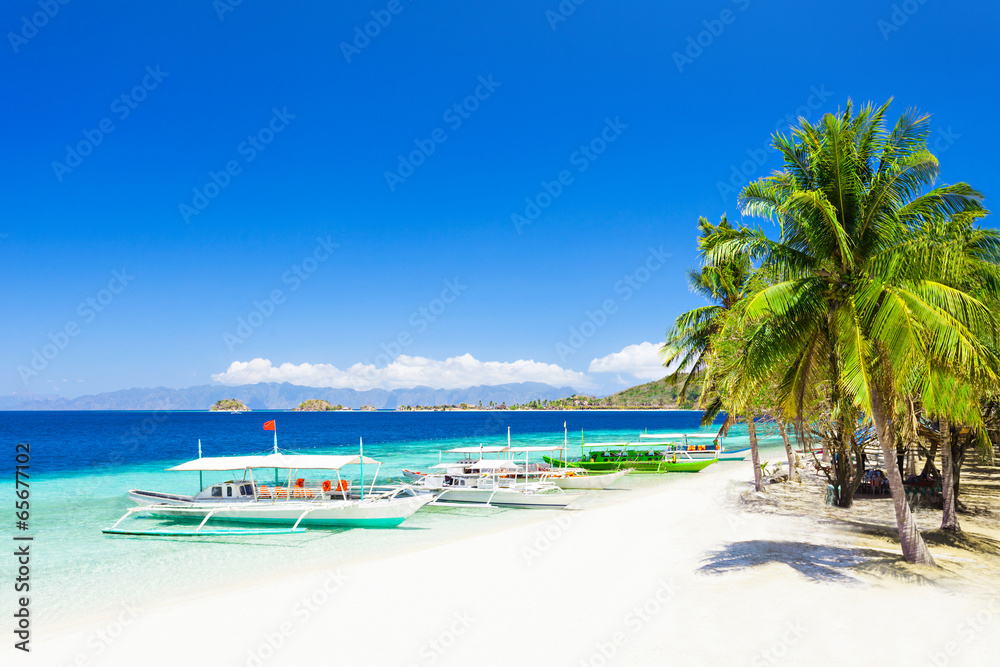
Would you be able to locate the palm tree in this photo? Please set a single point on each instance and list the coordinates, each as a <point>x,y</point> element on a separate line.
<point>689,343</point>
<point>970,256</point>
<point>860,319</point>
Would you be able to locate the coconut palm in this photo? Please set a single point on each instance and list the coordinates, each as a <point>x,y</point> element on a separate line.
<point>970,258</point>
<point>860,318</point>
<point>690,343</point>
<point>722,284</point>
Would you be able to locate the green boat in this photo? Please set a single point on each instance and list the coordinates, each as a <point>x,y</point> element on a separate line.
<point>653,466</point>
<point>641,457</point>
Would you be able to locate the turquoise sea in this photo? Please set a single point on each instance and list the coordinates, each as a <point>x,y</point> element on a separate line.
<point>83,464</point>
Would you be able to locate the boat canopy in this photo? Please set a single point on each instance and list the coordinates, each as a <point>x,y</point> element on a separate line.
<point>279,460</point>
<point>481,464</point>
<point>637,445</point>
<point>476,450</point>
<point>535,449</point>
<point>677,435</point>
<point>497,449</point>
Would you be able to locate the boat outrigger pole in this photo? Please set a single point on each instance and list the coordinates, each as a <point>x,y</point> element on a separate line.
<point>361,445</point>
<point>565,452</point>
<point>201,484</point>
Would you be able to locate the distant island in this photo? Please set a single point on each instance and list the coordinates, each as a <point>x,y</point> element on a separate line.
<point>228,405</point>
<point>316,405</point>
<point>656,395</point>
<point>285,396</point>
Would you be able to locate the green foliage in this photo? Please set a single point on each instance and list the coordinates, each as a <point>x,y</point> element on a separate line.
<point>229,404</point>
<point>316,405</point>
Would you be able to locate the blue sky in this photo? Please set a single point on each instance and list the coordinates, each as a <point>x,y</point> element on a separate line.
<point>232,160</point>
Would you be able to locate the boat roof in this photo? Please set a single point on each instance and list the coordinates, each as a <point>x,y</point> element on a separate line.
<point>481,464</point>
<point>475,450</point>
<point>496,449</point>
<point>276,460</point>
<point>535,448</point>
<point>677,435</point>
<point>640,445</point>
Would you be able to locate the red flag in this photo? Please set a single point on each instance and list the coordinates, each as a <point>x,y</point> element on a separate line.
<point>269,426</point>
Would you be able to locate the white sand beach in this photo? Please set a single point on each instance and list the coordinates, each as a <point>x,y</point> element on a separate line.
<point>678,575</point>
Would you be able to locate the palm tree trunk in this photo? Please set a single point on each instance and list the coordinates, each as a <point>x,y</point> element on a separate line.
<point>949,517</point>
<point>758,477</point>
<point>793,472</point>
<point>914,548</point>
<point>929,463</point>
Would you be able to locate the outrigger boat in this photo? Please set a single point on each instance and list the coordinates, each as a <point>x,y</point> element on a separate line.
<point>299,502</point>
<point>639,457</point>
<point>697,451</point>
<point>565,476</point>
<point>474,480</point>
<point>580,478</point>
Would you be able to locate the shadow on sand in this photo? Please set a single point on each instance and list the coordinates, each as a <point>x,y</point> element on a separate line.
<point>815,562</point>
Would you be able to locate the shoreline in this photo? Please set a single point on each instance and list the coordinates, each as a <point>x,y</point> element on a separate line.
<point>661,557</point>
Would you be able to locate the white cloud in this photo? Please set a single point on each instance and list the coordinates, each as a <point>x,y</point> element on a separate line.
<point>405,371</point>
<point>641,361</point>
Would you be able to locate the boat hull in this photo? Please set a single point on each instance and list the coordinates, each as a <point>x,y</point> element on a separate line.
<point>640,466</point>
<point>506,498</point>
<point>335,513</point>
<point>588,482</point>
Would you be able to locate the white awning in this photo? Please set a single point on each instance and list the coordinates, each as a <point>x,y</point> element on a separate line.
<point>607,444</point>
<point>677,435</point>
<point>535,449</point>
<point>475,450</point>
<point>492,464</point>
<point>283,461</point>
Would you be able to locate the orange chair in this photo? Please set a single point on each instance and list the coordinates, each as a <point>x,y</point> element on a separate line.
<point>326,485</point>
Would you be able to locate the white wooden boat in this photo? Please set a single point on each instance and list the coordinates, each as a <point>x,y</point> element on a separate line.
<point>474,480</point>
<point>297,502</point>
<point>578,478</point>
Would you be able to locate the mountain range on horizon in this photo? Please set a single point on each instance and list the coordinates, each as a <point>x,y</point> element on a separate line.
<point>284,396</point>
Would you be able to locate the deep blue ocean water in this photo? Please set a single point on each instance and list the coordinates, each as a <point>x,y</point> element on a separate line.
<point>64,442</point>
